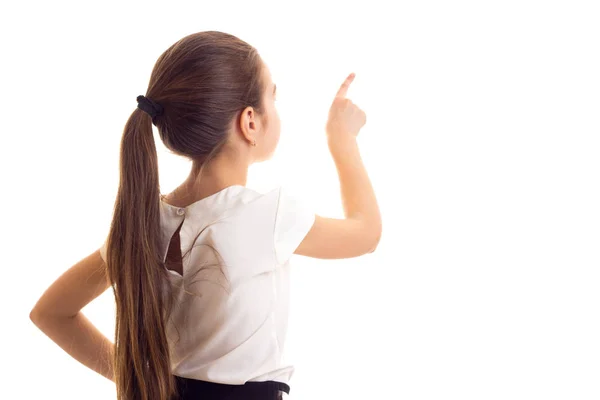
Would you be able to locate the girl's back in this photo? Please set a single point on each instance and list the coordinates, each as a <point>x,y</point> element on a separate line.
<point>230,292</point>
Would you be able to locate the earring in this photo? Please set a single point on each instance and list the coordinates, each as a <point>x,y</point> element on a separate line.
<point>254,143</point>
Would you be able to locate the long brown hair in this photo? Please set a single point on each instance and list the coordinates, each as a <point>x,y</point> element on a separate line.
<point>203,81</point>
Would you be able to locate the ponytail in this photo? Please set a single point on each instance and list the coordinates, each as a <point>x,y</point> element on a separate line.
<point>142,369</point>
<point>203,81</point>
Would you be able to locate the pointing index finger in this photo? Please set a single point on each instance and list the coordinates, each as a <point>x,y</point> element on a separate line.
<point>343,91</point>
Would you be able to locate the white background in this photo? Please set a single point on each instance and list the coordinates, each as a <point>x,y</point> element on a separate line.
<point>482,142</point>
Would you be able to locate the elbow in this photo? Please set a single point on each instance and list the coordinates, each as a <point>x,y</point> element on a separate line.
<point>374,247</point>
<point>42,320</point>
<point>35,316</point>
<point>375,242</point>
<point>38,316</point>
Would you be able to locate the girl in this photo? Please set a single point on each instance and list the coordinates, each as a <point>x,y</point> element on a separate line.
<point>200,275</point>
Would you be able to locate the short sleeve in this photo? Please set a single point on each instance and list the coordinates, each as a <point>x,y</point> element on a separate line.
<point>293,221</point>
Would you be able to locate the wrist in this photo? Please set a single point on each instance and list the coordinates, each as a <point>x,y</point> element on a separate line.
<point>342,149</point>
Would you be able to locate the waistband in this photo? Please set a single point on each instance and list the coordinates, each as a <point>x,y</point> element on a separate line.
<point>189,388</point>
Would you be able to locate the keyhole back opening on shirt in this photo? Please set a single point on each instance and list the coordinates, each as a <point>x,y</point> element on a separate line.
<point>174,261</point>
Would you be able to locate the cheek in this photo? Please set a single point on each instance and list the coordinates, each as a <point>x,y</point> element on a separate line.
<point>276,128</point>
<point>277,136</point>
<point>274,138</point>
<point>278,132</point>
<point>278,122</point>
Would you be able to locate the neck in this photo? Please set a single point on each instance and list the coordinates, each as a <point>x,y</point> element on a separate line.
<point>216,175</point>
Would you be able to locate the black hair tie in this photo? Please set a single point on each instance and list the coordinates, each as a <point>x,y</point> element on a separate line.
<point>149,106</point>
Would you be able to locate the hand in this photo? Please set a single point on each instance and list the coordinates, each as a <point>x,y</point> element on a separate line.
<point>345,118</point>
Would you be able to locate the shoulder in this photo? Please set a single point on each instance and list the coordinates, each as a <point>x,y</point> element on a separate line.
<point>275,221</point>
<point>281,206</point>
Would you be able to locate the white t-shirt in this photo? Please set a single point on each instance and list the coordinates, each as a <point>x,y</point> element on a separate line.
<point>229,318</point>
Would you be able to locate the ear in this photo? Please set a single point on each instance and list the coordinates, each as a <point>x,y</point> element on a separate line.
<point>249,124</point>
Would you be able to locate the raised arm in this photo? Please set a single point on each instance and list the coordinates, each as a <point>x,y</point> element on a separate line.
<point>360,231</point>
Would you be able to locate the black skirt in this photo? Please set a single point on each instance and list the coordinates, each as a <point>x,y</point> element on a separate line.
<point>193,389</point>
